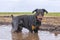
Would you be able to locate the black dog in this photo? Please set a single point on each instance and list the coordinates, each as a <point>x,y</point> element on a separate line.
<point>31,22</point>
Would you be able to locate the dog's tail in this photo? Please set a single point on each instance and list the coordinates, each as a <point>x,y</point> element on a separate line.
<point>12,16</point>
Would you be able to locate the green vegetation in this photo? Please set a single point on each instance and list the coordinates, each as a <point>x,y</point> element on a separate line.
<point>53,14</point>
<point>14,13</point>
<point>28,13</point>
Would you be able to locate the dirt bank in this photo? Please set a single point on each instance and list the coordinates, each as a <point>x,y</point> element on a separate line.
<point>46,20</point>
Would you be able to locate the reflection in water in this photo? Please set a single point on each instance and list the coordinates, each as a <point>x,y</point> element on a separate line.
<point>5,34</point>
<point>16,36</point>
<point>23,36</point>
<point>56,33</point>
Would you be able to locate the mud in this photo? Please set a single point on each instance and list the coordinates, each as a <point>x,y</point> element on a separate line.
<point>6,34</point>
<point>49,30</point>
<point>48,23</point>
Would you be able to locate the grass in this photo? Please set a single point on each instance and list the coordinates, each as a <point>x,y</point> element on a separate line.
<point>28,13</point>
<point>54,14</point>
<point>14,13</point>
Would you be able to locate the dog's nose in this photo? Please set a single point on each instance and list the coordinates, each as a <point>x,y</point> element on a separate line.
<point>39,18</point>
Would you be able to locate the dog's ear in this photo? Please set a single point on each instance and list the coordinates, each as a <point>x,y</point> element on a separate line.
<point>34,10</point>
<point>45,11</point>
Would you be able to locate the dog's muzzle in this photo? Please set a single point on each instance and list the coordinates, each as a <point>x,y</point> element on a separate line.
<point>39,18</point>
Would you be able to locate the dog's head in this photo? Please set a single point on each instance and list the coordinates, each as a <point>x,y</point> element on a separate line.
<point>40,13</point>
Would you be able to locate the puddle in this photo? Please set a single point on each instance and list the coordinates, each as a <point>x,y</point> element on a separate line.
<point>5,34</point>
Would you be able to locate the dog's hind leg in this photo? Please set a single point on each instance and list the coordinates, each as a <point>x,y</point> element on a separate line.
<point>14,25</point>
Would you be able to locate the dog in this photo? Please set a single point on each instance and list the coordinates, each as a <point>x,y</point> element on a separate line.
<point>30,22</point>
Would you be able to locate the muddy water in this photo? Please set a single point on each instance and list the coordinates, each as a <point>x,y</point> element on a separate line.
<point>6,34</point>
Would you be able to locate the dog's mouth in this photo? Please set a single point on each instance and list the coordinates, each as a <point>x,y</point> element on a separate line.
<point>39,18</point>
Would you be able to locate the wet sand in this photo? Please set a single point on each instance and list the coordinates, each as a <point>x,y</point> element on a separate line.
<point>6,34</point>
